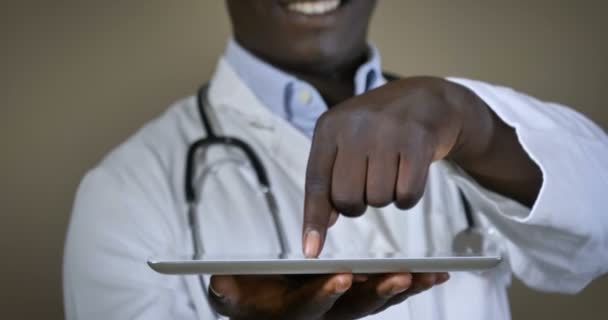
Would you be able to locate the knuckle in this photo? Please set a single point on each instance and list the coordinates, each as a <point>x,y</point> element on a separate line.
<point>419,135</point>
<point>379,200</point>
<point>407,199</point>
<point>348,207</point>
<point>359,121</point>
<point>323,123</point>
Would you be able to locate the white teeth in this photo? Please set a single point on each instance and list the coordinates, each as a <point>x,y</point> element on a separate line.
<point>314,7</point>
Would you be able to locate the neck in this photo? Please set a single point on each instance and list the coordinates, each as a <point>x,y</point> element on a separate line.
<point>335,84</point>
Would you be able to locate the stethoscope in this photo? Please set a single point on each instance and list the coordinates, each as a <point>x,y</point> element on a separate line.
<point>212,139</point>
<point>468,241</point>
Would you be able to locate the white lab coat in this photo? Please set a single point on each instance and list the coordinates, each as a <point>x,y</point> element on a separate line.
<point>131,208</point>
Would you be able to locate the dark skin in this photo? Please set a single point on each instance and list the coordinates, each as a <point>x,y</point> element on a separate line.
<point>371,150</point>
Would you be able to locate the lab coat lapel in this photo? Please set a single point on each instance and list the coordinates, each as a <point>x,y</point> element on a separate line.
<point>289,147</point>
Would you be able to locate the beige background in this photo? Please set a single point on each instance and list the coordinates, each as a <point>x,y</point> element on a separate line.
<point>77,77</point>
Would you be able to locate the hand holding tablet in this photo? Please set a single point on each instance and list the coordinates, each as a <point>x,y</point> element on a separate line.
<point>337,296</point>
<point>340,287</point>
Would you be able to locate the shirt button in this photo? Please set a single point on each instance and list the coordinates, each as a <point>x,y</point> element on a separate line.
<point>304,97</point>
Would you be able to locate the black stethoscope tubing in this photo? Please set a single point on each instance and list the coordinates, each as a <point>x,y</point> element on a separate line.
<point>211,139</point>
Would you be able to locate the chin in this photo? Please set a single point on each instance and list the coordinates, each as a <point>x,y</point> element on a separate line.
<point>323,54</point>
<point>303,35</point>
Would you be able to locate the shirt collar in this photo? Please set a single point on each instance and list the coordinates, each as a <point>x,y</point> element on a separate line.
<point>268,83</point>
<point>369,75</point>
<point>278,90</point>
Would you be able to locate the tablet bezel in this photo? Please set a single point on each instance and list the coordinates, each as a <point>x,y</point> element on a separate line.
<point>325,265</point>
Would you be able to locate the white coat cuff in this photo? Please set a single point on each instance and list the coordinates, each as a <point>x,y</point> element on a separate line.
<point>544,129</point>
<point>568,206</point>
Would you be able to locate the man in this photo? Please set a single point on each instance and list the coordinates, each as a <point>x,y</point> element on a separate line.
<point>535,173</point>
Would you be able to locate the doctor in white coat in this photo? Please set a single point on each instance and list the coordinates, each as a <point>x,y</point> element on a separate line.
<point>301,85</point>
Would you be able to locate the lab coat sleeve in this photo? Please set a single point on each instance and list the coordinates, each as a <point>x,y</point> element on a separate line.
<point>561,243</point>
<point>111,236</point>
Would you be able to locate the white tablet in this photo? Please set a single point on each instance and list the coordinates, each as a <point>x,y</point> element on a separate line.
<point>388,263</point>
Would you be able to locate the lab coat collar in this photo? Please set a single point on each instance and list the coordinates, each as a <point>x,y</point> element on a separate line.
<point>229,94</point>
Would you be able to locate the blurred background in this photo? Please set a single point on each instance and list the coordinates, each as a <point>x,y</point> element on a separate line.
<point>78,77</point>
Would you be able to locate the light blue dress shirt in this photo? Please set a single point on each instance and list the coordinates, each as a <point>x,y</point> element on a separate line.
<point>294,100</point>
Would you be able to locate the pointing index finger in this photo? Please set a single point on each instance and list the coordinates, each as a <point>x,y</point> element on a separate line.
<point>317,194</point>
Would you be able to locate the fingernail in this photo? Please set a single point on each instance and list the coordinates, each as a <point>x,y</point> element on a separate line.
<point>312,243</point>
<point>341,286</point>
<point>393,291</point>
<point>397,290</point>
<point>215,293</point>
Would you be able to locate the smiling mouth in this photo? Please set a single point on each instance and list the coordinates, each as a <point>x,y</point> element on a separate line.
<point>313,7</point>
